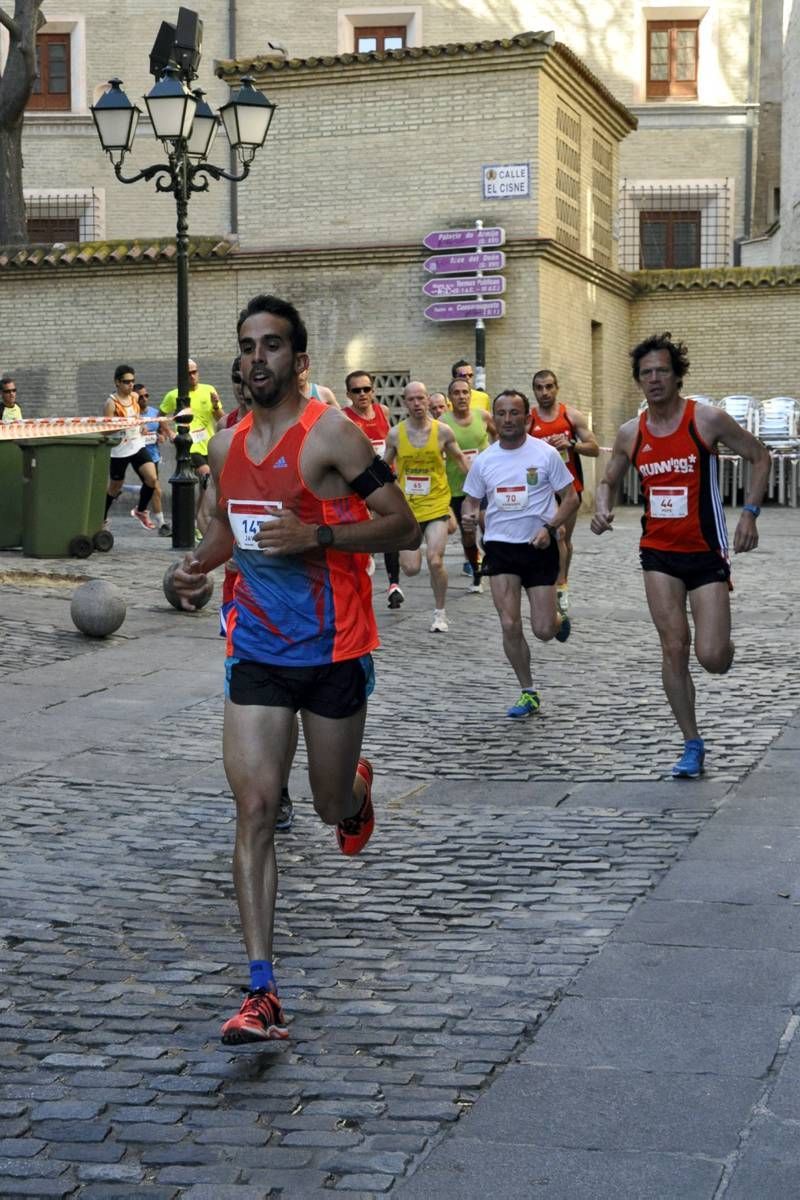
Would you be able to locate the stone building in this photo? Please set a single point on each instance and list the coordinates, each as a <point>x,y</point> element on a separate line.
<point>636,151</point>
<point>689,74</point>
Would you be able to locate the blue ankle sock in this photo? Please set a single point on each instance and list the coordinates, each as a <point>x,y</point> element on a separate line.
<point>261,975</point>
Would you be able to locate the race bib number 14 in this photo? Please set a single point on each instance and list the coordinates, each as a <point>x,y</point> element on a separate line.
<point>246,517</point>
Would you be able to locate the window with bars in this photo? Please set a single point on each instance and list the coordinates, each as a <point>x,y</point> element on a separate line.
<point>54,216</point>
<point>52,86</point>
<point>672,59</point>
<point>675,226</point>
<point>368,38</point>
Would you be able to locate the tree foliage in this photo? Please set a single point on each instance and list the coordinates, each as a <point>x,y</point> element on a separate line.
<point>16,81</point>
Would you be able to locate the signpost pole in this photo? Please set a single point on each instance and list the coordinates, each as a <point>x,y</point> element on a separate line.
<point>480,335</point>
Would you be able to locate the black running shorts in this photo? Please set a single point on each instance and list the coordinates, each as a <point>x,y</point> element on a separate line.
<point>337,690</point>
<point>536,568</point>
<point>118,466</point>
<point>693,570</point>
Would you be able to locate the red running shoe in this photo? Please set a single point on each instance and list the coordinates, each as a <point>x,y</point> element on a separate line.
<point>143,518</point>
<point>260,1019</point>
<point>353,833</point>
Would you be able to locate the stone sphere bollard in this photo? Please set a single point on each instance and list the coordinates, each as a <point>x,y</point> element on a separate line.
<point>98,608</point>
<point>173,597</point>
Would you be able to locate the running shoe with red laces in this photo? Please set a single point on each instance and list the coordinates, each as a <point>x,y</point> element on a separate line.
<point>143,518</point>
<point>260,1019</point>
<point>353,833</point>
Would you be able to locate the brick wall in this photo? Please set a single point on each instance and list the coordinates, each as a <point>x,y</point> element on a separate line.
<point>741,340</point>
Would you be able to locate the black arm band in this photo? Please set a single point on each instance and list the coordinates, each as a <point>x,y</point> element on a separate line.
<point>375,476</point>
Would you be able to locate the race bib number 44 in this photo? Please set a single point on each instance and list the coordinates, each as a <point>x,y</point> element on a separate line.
<point>247,516</point>
<point>669,502</point>
<point>511,498</point>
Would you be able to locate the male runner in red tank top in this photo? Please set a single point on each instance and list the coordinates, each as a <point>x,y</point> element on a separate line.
<point>296,486</point>
<point>567,431</point>
<point>373,419</point>
<point>683,548</point>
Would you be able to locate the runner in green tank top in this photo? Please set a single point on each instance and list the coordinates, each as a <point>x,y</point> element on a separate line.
<point>473,429</point>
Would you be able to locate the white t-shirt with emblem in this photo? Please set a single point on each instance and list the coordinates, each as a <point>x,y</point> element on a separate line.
<point>520,486</point>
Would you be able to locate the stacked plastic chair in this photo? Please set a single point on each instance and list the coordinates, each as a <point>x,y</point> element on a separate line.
<point>777,425</point>
<point>732,470</point>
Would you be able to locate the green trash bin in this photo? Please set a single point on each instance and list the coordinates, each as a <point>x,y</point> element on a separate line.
<point>10,495</point>
<point>65,481</point>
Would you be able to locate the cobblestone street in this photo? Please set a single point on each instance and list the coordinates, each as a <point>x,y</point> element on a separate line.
<point>505,856</point>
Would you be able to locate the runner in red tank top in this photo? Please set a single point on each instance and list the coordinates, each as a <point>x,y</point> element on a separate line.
<point>683,548</point>
<point>373,419</point>
<point>294,482</point>
<point>567,430</point>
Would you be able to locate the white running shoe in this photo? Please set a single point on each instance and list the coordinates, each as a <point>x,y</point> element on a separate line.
<point>477,588</point>
<point>562,599</point>
<point>439,622</point>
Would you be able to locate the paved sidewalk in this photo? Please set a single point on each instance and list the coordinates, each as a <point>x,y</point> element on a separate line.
<point>554,973</point>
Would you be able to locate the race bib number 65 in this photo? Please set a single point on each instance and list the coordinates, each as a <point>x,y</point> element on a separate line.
<point>418,485</point>
<point>247,516</point>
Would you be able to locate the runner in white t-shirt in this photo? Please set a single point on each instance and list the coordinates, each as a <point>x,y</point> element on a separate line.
<point>519,477</point>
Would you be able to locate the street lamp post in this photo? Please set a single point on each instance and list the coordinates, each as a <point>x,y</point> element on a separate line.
<point>186,127</point>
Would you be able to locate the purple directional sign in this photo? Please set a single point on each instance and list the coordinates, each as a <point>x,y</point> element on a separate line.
<point>462,239</point>
<point>468,285</point>
<point>452,264</point>
<point>466,310</point>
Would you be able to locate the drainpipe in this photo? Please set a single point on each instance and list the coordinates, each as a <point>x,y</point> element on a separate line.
<point>752,118</point>
<point>233,162</point>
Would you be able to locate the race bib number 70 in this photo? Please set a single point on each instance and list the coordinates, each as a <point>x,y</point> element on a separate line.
<point>247,516</point>
<point>511,498</point>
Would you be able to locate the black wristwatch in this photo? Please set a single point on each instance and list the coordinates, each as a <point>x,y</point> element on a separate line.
<point>324,535</point>
<point>551,529</point>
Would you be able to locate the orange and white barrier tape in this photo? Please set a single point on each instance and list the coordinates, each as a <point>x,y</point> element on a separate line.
<point>47,427</point>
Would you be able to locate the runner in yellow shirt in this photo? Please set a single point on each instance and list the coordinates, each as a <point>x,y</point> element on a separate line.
<point>416,446</point>
<point>206,409</point>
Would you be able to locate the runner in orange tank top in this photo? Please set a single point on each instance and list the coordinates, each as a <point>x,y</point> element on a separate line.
<point>683,548</point>
<point>567,430</point>
<point>297,486</point>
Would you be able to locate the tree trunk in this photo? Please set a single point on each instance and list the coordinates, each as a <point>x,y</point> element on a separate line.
<point>16,81</point>
<point>13,224</point>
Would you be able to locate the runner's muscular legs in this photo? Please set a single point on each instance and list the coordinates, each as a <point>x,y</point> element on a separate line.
<point>544,612</point>
<point>565,547</point>
<point>256,744</point>
<point>666,599</point>
<point>711,613</point>
<point>411,562</point>
<point>435,544</point>
<point>507,594</point>
<point>334,746</point>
